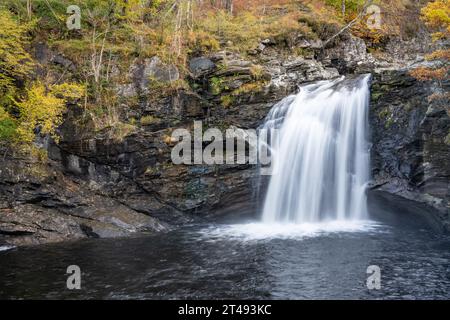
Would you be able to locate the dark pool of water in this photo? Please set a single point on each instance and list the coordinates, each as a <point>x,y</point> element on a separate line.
<point>222,261</point>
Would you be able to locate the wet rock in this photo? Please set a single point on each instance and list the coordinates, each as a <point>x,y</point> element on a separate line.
<point>193,104</point>
<point>260,47</point>
<point>45,56</point>
<point>99,186</point>
<point>144,73</point>
<point>289,74</point>
<point>409,153</point>
<point>347,55</point>
<point>62,61</point>
<point>40,206</point>
<point>155,68</point>
<point>201,66</point>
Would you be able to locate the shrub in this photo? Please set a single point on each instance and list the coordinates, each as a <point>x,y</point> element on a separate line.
<point>7,126</point>
<point>43,108</point>
<point>15,62</point>
<point>257,71</point>
<point>148,120</point>
<point>227,100</point>
<point>436,16</point>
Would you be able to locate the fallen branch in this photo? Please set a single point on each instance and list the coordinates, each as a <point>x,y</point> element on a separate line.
<point>351,23</point>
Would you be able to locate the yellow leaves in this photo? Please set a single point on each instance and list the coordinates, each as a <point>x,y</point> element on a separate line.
<point>375,36</point>
<point>40,108</point>
<point>251,87</point>
<point>15,62</point>
<point>68,91</point>
<point>202,41</point>
<point>128,9</point>
<point>226,100</point>
<point>436,15</point>
<point>44,108</point>
<point>437,36</point>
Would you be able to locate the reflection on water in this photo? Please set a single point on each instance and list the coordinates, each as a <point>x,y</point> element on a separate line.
<point>222,261</point>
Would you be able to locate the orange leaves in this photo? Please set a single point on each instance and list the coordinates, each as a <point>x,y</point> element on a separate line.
<point>436,15</point>
<point>439,55</point>
<point>427,74</point>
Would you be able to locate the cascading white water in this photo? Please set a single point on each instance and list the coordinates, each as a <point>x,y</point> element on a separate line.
<point>321,156</point>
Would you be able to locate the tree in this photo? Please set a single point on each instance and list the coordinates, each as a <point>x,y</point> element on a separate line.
<point>355,20</point>
<point>228,5</point>
<point>15,62</point>
<point>24,106</point>
<point>128,9</point>
<point>348,8</point>
<point>100,21</point>
<point>29,9</point>
<point>436,15</point>
<point>43,108</point>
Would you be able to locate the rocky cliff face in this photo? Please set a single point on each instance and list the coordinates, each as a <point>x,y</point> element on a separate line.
<point>96,185</point>
<point>410,154</point>
<point>39,204</point>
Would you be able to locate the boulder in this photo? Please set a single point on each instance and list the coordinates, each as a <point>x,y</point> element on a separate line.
<point>201,66</point>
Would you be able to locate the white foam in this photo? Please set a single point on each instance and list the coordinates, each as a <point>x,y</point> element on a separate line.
<point>7,247</point>
<point>267,231</point>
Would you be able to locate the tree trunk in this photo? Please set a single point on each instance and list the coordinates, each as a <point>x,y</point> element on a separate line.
<point>228,5</point>
<point>29,9</point>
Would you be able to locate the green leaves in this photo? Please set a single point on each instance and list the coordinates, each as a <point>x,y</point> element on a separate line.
<point>7,126</point>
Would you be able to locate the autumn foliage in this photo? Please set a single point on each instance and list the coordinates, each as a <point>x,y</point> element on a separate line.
<point>116,32</point>
<point>436,16</point>
<point>26,106</point>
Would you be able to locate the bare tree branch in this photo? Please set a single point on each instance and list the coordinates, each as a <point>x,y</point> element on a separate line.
<point>351,23</point>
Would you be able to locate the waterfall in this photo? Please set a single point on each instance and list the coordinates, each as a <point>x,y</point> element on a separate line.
<point>321,154</point>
